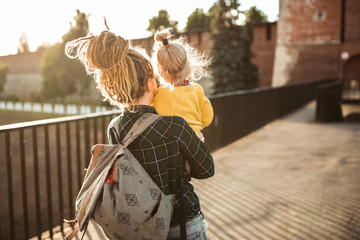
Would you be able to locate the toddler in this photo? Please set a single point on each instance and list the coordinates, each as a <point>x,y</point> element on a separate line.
<point>179,65</point>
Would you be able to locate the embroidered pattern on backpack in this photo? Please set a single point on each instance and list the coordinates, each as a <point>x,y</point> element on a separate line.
<point>123,218</point>
<point>127,170</point>
<point>155,193</point>
<point>118,237</point>
<point>131,200</point>
<point>160,224</point>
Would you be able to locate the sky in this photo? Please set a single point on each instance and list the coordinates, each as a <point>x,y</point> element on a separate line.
<point>46,21</point>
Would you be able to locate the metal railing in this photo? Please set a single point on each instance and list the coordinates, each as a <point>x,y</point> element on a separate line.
<point>239,113</point>
<point>42,161</point>
<point>329,101</point>
<point>41,171</point>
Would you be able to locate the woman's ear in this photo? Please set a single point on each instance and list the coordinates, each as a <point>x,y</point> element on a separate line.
<point>151,85</point>
<point>148,85</point>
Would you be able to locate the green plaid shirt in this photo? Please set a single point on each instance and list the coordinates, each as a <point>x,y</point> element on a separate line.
<point>162,149</point>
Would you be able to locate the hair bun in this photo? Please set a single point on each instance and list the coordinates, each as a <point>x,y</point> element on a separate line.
<point>162,36</point>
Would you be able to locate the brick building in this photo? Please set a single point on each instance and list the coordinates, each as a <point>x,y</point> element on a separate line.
<point>263,48</point>
<point>24,77</point>
<point>317,39</point>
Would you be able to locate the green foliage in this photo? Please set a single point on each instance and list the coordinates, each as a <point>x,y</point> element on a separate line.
<point>198,19</point>
<point>23,44</point>
<point>161,21</point>
<point>4,69</point>
<point>254,15</point>
<point>80,29</point>
<point>232,67</point>
<point>63,76</point>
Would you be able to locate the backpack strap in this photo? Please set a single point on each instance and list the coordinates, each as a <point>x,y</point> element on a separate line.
<point>139,127</point>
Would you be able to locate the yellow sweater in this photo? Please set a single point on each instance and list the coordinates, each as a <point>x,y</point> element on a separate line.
<point>188,102</point>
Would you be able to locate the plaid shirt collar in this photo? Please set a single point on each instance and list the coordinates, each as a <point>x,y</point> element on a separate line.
<point>142,109</point>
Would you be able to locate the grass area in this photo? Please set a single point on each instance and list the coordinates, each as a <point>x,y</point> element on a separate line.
<point>9,117</point>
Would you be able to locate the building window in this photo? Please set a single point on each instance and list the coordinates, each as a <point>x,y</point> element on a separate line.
<point>268,32</point>
<point>320,16</point>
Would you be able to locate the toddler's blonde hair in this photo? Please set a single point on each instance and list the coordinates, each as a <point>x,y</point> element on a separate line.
<point>120,71</point>
<point>175,60</point>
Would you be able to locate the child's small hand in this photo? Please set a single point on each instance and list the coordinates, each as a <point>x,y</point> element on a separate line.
<point>201,136</point>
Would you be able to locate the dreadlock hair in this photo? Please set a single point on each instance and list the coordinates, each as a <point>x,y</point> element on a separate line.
<point>175,60</point>
<point>121,72</point>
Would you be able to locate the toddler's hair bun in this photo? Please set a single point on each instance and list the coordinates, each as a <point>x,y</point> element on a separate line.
<point>162,36</point>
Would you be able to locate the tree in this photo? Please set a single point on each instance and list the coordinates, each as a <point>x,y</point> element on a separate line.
<point>161,21</point>
<point>254,15</point>
<point>198,19</point>
<point>232,67</point>
<point>4,69</point>
<point>63,76</point>
<point>23,46</point>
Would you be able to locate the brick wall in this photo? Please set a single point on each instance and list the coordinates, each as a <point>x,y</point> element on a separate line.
<point>263,47</point>
<point>308,46</point>
<point>310,20</point>
<point>352,21</point>
<point>351,44</point>
<point>199,38</point>
<point>315,62</point>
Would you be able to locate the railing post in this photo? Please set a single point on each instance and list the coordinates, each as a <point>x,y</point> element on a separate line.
<point>10,186</point>
<point>95,131</point>
<point>23,183</point>
<point>59,167</point>
<point>104,129</point>
<point>69,169</point>
<point>87,142</point>
<point>48,180</point>
<point>36,180</point>
<point>78,154</point>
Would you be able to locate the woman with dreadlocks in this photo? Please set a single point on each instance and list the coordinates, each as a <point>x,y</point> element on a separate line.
<point>125,78</point>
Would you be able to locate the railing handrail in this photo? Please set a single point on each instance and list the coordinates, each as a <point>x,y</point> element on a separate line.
<point>330,84</point>
<point>37,123</point>
<point>261,89</point>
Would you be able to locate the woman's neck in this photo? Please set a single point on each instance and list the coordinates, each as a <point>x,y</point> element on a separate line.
<point>146,99</point>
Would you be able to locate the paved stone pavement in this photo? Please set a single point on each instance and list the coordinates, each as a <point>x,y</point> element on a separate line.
<point>292,179</point>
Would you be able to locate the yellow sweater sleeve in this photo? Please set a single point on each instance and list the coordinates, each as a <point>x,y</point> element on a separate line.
<point>207,112</point>
<point>188,102</point>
